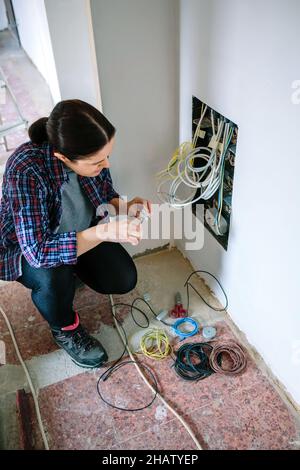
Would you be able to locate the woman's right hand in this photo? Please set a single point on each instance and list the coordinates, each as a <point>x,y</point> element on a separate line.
<point>126,230</point>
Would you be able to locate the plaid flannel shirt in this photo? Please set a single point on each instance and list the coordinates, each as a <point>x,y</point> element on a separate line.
<point>30,209</point>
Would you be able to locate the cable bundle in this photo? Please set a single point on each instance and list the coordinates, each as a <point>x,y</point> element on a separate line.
<point>155,344</point>
<point>206,178</point>
<point>184,366</point>
<point>187,334</point>
<point>208,359</point>
<point>192,361</point>
<point>237,356</point>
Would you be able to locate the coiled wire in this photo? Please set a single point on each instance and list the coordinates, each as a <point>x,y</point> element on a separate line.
<point>187,334</point>
<point>181,171</point>
<point>155,344</point>
<point>192,361</point>
<point>237,356</point>
<point>196,361</point>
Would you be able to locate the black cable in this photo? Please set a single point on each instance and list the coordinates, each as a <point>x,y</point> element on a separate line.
<point>189,370</point>
<point>116,366</point>
<point>188,284</point>
<point>120,304</point>
<point>151,309</point>
<point>182,362</point>
<point>114,369</point>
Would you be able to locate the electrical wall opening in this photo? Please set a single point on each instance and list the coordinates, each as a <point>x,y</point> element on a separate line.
<point>215,138</point>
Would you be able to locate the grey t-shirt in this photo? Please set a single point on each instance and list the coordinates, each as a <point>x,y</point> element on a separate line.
<point>77,210</point>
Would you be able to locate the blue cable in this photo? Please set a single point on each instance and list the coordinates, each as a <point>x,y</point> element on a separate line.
<point>180,333</point>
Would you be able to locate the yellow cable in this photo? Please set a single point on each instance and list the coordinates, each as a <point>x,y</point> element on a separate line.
<point>179,154</point>
<point>141,373</point>
<point>155,344</point>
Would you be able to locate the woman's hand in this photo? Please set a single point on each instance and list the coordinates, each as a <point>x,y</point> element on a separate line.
<point>126,230</point>
<point>137,205</point>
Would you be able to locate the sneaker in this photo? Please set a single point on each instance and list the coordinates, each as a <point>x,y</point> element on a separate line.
<point>84,350</point>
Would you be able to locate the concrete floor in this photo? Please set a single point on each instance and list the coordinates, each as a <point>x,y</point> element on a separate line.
<point>242,412</point>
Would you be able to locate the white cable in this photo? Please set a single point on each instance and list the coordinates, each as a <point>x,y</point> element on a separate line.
<point>198,128</point>
<point>36,404</point>
<point>212,121</point>
<point>205,179</point>
<point>192,177</point>
<point>149,385</point>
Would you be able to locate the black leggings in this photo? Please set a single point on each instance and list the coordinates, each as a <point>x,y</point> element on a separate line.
<point>107,269</point>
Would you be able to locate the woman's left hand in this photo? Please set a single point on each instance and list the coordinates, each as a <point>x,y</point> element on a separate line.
<point>137,205</point>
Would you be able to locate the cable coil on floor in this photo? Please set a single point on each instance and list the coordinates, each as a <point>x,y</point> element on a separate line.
<point>192,361</point>
<point>155,344</point>
<point>185,334</point>
<point>237,356</point>
<point>196,361</point>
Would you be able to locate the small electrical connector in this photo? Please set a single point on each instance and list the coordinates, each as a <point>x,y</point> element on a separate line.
<point>162,314</point>
<point>147,297</point>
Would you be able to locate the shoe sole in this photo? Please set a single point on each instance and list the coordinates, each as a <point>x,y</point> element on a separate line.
<point>84,366</point>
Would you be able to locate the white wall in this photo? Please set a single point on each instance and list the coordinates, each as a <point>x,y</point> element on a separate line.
<point>137,51</point>
<point>3,17</point>
<point>72,39</point>
<point>57,36</point>
<point>35,39</point>
<point>241,57</point>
